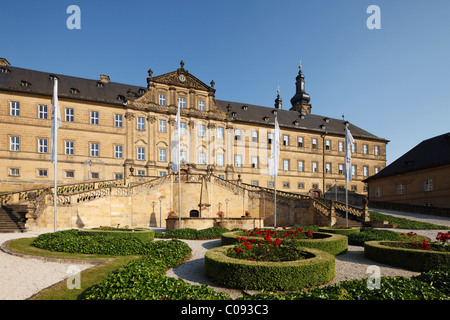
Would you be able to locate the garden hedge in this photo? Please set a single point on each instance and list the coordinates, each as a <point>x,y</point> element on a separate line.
<point>141,234</point>
<point>331,243</point>
<point>257,275</point>
<point>411,259</point>
<point>344,231</point>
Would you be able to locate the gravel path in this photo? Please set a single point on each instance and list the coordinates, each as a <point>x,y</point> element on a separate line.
<point>22,277</point>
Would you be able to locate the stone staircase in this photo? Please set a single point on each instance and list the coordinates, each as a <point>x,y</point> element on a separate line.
<point>12,218</point>
<point>352,221</point>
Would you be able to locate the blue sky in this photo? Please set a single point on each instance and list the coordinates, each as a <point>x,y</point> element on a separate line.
<point>393,82</point>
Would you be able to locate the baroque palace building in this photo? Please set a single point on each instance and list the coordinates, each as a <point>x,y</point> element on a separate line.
<point>111,130</point>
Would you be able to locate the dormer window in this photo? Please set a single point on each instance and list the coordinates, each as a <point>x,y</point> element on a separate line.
<point>141,91</point>
<point>25,83</point>
<point>296,122</point>
<point>5,70</point>
<point>233,114</point>
<point>326,120</point>
<point>74,90</point>
<point>120,97</point>
<point>100,84</point>
<point>266,119</point>
<point>244,108</point>
<point>302,116</point>
<point>323,127</point>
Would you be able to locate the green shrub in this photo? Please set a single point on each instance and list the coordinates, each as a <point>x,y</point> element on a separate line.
<point>141,234</point>
<point>192,234</point>
<point>411,259</point>
<point>344,231</point>
<point>404,223</point>
<point>143,278</point>
<point>372,234</point>
<point>91,243</point>
<point>317,269</point>
<point>391,288</point>
<point>439,279</point>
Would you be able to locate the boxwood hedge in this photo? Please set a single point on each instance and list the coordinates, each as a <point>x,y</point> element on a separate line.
<point>344,231</point>
<point>332,243</point>
<point>288,275</point>
<point>411,259</point>
<point>138,233</point>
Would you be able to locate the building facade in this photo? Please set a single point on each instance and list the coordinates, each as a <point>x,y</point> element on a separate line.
<point>111,130</point>
<point>421,177</point>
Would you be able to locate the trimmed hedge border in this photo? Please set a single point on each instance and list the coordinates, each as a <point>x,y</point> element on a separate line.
<point>331,243</point>
<point>411,259</point>
<point>141,234</point>
<point>258,275</point>
<point>343,231</point>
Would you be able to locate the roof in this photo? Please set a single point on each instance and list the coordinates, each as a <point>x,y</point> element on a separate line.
<point>41,83</point>
<point>291,119</point>
<point>430,153</point>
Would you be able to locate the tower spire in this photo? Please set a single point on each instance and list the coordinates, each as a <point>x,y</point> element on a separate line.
<point>300,101</point>
<point>278,100</point>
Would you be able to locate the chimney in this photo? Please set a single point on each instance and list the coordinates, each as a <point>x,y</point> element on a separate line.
<point>104,78</point>
<point>4,62</point>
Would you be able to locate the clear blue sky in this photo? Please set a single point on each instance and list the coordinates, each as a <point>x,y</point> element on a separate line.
<point>393,82</point>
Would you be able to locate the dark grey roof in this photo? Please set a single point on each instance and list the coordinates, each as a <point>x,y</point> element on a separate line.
<point>292,119</point>
<point>39,82</point>
<point>430,153</point>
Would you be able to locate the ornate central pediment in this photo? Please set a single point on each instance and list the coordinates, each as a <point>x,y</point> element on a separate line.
<point>180,78</point>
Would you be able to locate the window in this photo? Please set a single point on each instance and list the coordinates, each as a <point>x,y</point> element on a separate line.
<point>255,183</point>
<point>285,140</point>
<point>141,153</point>
<point>15,108</point>
<point>341,169</point>
<point>400,188</point>
<point>42,145</point>
<point>314,143</point>
<point>270,184</point>
<point>69,115</point>
<point>365,148</point>
<point>315,186</point>
<point>254,162</point>
<point>118,176</point>
<point>14,172</point>
<point>94,175</point>
<point>341,146</point>
<point>201,105</point>
<point>182,103</point>
<point>300,142</point>
<point>118,121</point>
<point>14,143</point>
<point>183,156</point>
<point>428,185</point>
<point>69,146</point>
<point>201,130</point>
<point>286,185</point>
<point>141,123</point>
<point>141,173</point>
<point>354,188</point>
<point>202,158</point>
<point>118,152</point>
<point>237,134</point>
<point>327,145</point>
<point>269,138</point>
<point>301,166</point>
<point>94,117</point>
<point>162,99</point>
<point>70,174</point>
<point>162,125</point>
<point>377,170</point>
<point>42,112</point>
<point>353,170</point>
<point>315,167</point>
<point>365,171</point>
<point>353,147</point>
<point>94,150</point>
<point>377,192</point>
<point>162,155</point>
<point>220,160</point>
<point>42,172</point>
<point>162,173</point>
<point>183,128</point>
<point>376,150</point>
<point>221,176</point>
<point>220,133</point>
<point>301,185</point>
<point>254,136</point>
<point>238,161</point>
<point>328,167</point>
<point>286,165</point>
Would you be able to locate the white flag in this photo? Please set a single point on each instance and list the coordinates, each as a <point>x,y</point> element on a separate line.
<point>275,151</point>
<point>175,145</point>
<point>56,120</point>
<point>348,154</point>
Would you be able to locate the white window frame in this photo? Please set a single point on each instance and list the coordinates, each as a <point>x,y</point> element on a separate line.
<point>43,145</point>
<point>94,149</point>
<point>162,99</point>
<point>42,111</point>
<point>141,123</point>
<point>69,148</point>
<point>14,143</point>
<point>182,102</point>
<point>94,117</point>
<point>70,115</point>
<point>14,109</point>
<point>162,155</point>
<point>118,121</point>
<point>201,105</point>
<point>201,158</point>
<point>118,151</point>
<point>162,126</point>
<point>141,153</point>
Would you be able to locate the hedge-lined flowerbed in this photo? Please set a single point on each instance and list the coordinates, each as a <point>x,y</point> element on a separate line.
<point>143,278</point>
<point>411,259</point>
<point>331,243</point>
<point>317,269</point>
<point>192,234</point>
<point>372,234</point>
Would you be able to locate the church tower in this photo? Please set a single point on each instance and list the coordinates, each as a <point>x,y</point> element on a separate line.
<point>300,101</point>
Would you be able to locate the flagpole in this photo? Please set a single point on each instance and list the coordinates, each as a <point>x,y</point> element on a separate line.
<point>179,167</point>
<point>56,122</point>
<point>55,190</point>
